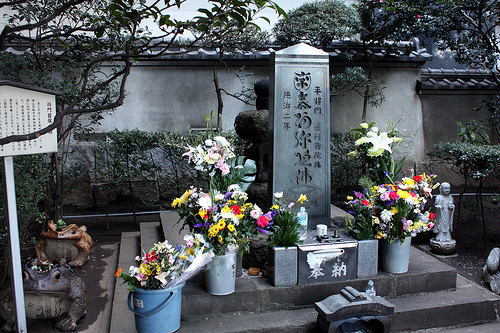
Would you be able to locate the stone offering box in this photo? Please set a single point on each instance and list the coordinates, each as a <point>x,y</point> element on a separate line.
<point>327,260</point>
<point>354,311</point>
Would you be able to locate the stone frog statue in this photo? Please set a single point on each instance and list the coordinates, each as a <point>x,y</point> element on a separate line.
<point>69,242</point>
<point>50,291</point>
<point>491,271</point>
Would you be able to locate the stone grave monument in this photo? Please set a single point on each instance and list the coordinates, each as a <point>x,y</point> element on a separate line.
<point>299,129</point>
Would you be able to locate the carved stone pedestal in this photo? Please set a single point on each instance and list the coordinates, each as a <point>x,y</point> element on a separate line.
<point>443,247</point>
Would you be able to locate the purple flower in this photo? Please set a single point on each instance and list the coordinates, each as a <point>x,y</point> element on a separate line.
<point>358,194</point>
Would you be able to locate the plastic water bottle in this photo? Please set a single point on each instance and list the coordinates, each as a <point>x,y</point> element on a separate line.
<point>302,215</point>
<point>370,289</point>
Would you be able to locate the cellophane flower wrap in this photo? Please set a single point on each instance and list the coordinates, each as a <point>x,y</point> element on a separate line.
<point>226,221</point>
<point>397,210</point>
<point>166,265</point>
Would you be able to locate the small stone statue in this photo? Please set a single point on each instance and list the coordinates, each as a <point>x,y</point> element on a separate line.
<point>491,270</point>
<point>443,243</point>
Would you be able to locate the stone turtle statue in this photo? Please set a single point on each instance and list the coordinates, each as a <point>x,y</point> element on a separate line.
<point>50,291</point>
<point>70,242</point>
<point>491,271</point>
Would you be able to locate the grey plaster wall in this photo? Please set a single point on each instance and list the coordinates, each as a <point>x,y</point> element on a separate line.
<point>401,104</point>
<point>177,96</point>
<point>440,109</point>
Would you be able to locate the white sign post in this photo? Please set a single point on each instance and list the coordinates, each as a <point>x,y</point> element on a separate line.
<point>23,110</point>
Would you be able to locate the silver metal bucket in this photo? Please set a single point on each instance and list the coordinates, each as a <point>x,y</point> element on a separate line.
<point>220,275</point>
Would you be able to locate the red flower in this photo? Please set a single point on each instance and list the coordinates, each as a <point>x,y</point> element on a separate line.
<point>365,202</point>
<point>393,195</point>
<point>418,178</point>
<point>432,216</point>
<point>263,221</point>
<point>151,256</point>
<point>236,209</point>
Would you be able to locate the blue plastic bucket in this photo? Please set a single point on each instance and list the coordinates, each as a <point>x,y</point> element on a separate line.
<point>156,310</point>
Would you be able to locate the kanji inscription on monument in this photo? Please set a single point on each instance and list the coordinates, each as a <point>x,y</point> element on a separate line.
<point>24,111</point>
<point>299,127</point>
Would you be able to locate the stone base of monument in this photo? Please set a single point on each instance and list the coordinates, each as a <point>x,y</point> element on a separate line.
<point>367,258</point>
<point>329,259</point>
<point>443,247</point>
<point>353,311</point>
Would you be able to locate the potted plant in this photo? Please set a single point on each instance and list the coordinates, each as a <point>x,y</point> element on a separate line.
<point>155,286</point>
<point>284,237</point>
<point>360,227</point>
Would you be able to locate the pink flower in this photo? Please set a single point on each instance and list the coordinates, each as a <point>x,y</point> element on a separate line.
<point>358,195</point>
<point>385,196</point>
<point>393,195</point>
<point>224,168</point>
<point>263,221</point>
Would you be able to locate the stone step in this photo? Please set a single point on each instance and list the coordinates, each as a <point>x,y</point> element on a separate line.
<point>122,320</point>
<point>469,304</point>
<point>150,233</point>
<point>427,296</point>
<point>257,295</point>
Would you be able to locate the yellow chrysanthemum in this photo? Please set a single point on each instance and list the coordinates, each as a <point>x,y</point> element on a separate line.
<point>403,194</point>
<point>176,203</point>
<point>379,235</point>
<point>302,198</point>
<point>350,198</point>
<point>230,227</point>
<point>226,210</point>
<point>375,220</point>
<point>145,269</point>
<point>222,224</point>
<point>409,182</point>
<point>275,207</point>
<point>202,212</point>
<point>220,239</point>
<point>213,231</point>
<point>394,210</point>
<point>185,196</point>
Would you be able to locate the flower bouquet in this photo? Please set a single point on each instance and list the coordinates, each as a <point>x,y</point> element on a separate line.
<point>396,210</point>
<point>155,286</point>
<point>226,221</point>
<point>375,149</point>
<point>166,266</point>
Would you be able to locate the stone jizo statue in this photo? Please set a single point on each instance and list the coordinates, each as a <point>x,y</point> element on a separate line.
<point>444,213</point>
<point>491,270</point>
<point>444,207</point>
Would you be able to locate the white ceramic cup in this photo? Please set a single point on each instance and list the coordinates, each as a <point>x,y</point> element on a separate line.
<point>321,230</point>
